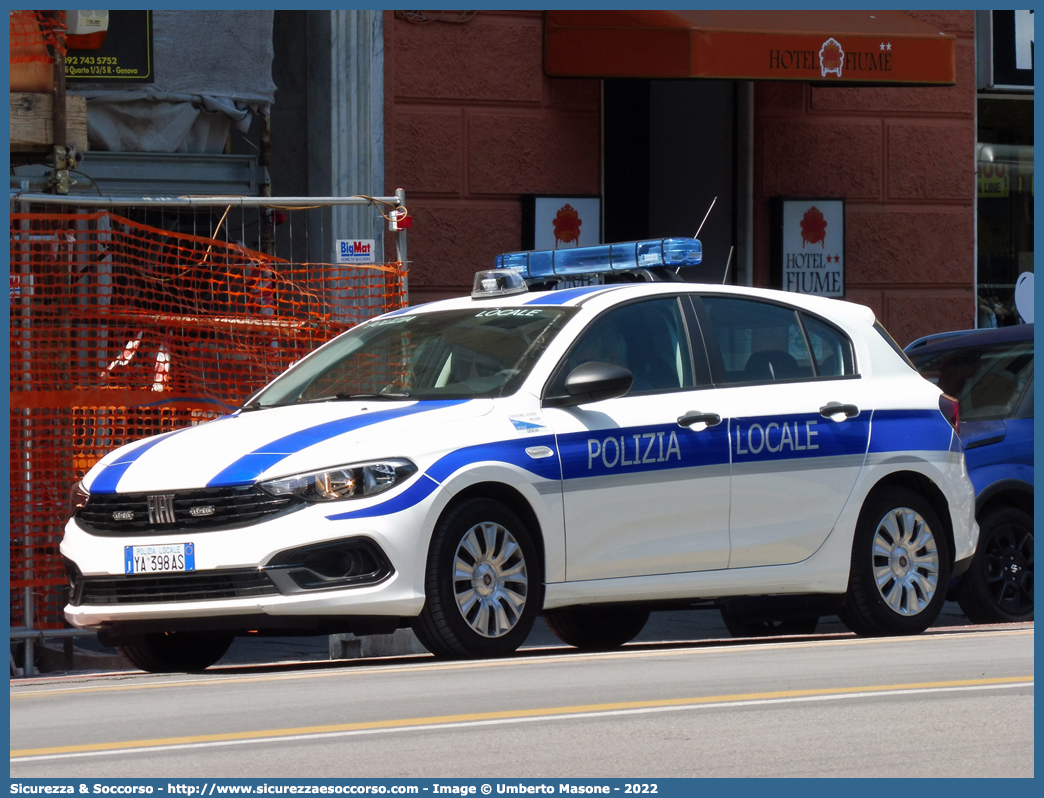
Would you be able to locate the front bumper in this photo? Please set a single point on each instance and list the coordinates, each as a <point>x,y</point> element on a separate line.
<point>249,571</point>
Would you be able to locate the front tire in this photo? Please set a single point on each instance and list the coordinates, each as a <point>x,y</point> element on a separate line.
<point>998,587</point>
<point>596,628</point>
<point>484,583</point>
<point>900,566</point>
<point>176,652</point>
<point>742,626</point>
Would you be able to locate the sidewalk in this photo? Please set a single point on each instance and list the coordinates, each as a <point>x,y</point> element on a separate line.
<point>670,626</point>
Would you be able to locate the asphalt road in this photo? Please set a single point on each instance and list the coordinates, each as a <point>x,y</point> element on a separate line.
<point>956,701</point>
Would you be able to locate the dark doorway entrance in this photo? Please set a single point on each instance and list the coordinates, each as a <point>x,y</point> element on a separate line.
<point>669,151</point>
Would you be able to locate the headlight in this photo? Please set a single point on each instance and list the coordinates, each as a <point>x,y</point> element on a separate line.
<point>78,496</point>
<point>342,482</point>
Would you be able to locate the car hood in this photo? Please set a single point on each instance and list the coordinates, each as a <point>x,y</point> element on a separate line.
<point>244,447</point>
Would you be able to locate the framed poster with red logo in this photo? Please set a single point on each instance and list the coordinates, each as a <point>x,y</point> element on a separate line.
<point>557,222</point>
<point>808,245</point>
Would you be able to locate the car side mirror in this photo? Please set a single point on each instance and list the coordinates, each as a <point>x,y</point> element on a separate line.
<point>593,382</point>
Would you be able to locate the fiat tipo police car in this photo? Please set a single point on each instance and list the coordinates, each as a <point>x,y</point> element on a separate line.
<point>586,453</point>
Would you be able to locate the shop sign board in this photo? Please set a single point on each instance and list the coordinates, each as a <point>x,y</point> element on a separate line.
<point>120,54</point>
<point>812,252</point>
<point>844,45</point>
<point>554,222</point>
<point>355,250</point>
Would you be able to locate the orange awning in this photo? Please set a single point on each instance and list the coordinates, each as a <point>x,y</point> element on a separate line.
<point>825,46</point>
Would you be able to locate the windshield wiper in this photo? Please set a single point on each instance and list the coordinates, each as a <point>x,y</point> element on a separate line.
<point>389,395</point>
<point>345,397</point>
<point>386,396</point>
<point>255,405</point>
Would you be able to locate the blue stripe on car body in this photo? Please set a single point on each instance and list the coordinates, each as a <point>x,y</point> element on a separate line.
<point>513,452</point>
<point>413,495</point>
<point>249,467</point>
<point>565,295</point>
<point>650,448</point>
<point>400,311</point>
<point>910,431</point>
<point>111,475</point>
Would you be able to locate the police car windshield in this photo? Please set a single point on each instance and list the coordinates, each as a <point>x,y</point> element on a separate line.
<point>478,352</point>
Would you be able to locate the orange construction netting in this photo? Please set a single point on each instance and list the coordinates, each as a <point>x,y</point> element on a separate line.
<point>32,32</point>
<point>120,330</point>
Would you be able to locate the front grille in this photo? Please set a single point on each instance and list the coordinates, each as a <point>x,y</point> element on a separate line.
<point>204,586</point>
<point>129,513</point>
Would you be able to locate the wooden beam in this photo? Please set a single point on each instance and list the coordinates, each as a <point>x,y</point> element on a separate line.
<point>32,122</point>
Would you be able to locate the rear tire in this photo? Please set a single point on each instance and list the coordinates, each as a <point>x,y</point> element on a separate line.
<point>484,584</point>
<point>900,566</point>
<point>998,587</point>
<point>596,628</point>
<point>175,652</point>
<point>742,626</point>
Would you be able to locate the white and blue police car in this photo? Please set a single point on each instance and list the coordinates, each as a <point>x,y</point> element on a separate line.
<point>587,453</point>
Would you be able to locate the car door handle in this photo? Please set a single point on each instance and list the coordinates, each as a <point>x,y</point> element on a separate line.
<point>695,417</point>
<point>833,408</point>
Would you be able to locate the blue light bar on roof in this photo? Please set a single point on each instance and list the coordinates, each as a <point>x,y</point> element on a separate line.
<point>622,257</point>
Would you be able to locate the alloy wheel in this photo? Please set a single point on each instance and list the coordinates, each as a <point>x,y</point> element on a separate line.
<point>905,561</point>
<point>490,581</point>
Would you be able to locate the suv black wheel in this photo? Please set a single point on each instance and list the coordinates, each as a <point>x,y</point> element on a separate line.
<point>484,584</point>
<point>596,628</point>
<point>172,652</point>
<point>742,626</point>
<point>900,566</point>
<point>998,587</point>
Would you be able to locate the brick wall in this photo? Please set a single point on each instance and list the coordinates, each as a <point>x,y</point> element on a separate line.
<point>904,159</point>
<point>471,124</point>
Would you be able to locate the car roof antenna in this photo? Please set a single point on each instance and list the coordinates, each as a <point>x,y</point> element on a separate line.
<point>726,277</point>
<point>711,208</point>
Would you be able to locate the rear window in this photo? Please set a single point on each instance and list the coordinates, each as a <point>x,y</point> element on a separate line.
<point>988,382</point>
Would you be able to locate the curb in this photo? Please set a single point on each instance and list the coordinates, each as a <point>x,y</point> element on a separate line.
<point>56,660</point>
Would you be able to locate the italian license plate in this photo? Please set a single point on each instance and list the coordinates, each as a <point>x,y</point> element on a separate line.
<point>169,558</point>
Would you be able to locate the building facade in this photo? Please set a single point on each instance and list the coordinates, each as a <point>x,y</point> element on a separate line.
<point>921,133</point>
<point>475,125</point>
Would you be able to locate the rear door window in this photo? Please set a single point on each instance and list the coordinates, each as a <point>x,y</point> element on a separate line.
<point>756,342</point>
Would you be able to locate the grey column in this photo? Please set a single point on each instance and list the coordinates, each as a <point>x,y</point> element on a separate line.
<point>346,116</point>
<point>346,125</point>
